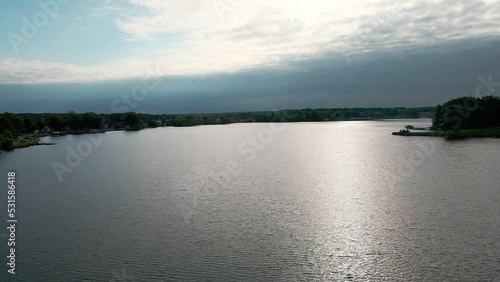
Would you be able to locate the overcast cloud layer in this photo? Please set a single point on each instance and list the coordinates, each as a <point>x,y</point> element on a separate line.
<point>226,55</point>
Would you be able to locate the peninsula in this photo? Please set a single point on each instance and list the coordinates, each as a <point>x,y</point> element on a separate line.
<point>464,117</point>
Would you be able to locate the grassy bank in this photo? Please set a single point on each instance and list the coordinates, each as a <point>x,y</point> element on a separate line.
<point>456,134</point>
<point>19,144</point>
<point>8,146</point>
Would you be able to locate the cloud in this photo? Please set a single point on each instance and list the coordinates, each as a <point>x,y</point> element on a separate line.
<point>220,36</point>
<point>265,29</point>
<point>15,71</point>
<point>422,77</point>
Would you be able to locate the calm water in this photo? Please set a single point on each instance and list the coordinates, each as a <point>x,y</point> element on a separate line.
<point>313,202</point>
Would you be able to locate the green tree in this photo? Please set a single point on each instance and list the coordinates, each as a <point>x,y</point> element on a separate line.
<point>75,121</point>
<point>16,121</point>
<point>6,123</point>
<point>7,135</point>
<point>131,119</point>
<point>55,122</point>
<point>409,127</point>
<point>6,144</point>
<point>317,115</point>
<point>40,125</point>
<point>468,113</point>
<point>152,123</point>
<point>438,117</point>
<point>28,124</point>
<point>91,120</point>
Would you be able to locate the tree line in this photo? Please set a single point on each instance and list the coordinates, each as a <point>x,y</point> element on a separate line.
<point>13,125</point>
<point>468,113</point>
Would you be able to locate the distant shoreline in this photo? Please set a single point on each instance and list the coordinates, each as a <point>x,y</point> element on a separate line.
<point>18,144</point>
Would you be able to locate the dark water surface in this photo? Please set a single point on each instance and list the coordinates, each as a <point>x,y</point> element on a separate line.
<point>305,202</point>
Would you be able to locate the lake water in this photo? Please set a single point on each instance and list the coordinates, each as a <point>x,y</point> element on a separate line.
<point>256,202</point>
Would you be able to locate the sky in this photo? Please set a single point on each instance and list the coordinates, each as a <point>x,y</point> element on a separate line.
<point>188,56</point>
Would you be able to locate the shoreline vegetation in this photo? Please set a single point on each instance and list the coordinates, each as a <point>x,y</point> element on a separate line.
<point>488,132</point>
<point>466,117</point>
<point>460,118</point>
<point>25,129</point>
